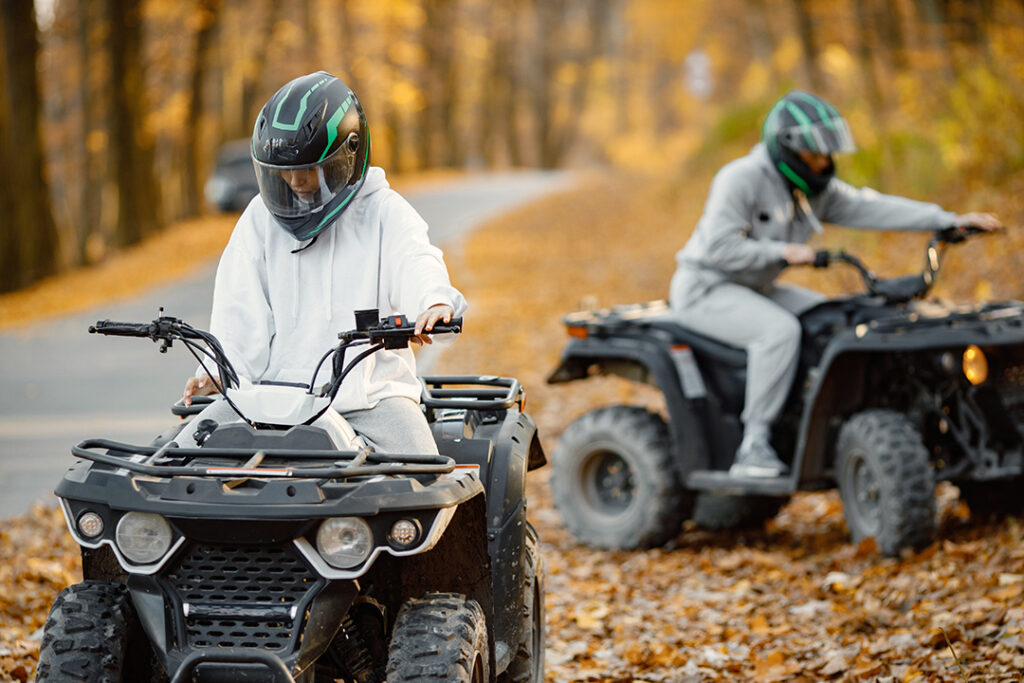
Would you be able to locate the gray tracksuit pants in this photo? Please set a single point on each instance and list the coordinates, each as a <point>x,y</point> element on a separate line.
<point>764,325</point>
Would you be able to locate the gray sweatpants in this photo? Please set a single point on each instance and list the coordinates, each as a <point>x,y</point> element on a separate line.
<point>763,324</point>
<point>395,425</point>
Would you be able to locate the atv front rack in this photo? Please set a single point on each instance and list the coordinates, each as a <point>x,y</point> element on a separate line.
<point>165,461</point>
<point>474,392</point>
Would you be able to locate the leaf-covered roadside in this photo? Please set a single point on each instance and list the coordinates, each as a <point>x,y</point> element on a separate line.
<point>793,602</point>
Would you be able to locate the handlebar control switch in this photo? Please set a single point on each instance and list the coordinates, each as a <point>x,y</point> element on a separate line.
<point>397,332</point>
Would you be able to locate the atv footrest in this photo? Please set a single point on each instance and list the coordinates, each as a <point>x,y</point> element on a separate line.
<point>722,482</point>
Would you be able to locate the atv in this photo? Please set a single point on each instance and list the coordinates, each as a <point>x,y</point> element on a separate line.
<point>892,394</point>
<point>283,548</point>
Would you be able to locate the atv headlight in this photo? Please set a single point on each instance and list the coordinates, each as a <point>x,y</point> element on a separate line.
<point>975,365</point>
<point>143,537</point>
<point>344,541</point>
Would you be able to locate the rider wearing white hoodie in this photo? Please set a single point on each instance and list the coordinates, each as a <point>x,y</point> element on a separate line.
<point>326,237</point>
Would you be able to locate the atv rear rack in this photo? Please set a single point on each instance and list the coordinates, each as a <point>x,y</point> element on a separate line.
<point>164,461</point>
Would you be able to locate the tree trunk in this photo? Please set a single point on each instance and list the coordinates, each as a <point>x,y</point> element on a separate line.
<point>933,22</point>
<point>439,141</point>
<point>88,220</point>
<point>549,17</point>
<point>889,22</point>
<point>131,145</point>
<point>497,124</point>
<point>806,31</point>
<point>209,11</point>
<point>253,95</point>
<point>29,246</point>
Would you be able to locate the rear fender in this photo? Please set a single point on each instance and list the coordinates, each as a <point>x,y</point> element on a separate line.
<point>648,362</point>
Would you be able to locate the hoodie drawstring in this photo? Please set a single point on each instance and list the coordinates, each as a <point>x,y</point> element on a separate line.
<point>330,276</point>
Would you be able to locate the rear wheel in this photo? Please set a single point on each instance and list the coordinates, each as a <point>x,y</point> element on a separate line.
<point>92,634</point>
<point>886,481</point>
<point>614,481</point>
<point>439,637</point>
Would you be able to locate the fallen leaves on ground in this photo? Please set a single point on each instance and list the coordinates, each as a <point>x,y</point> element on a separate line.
<point>795,601</point>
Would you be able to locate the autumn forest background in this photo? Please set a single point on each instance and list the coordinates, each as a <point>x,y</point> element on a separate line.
<point>112,112</point>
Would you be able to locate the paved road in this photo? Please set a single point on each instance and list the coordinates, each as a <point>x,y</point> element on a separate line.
<point>61,384</point>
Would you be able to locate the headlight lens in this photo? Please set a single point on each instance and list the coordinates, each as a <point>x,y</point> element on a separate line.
<point>344,541</point>
<point>143,537</point>
<point>90,524</point>
<point>404,533</point>
<point>975,365</point>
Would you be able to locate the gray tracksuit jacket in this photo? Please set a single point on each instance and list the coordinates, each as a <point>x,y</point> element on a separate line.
<point>751,214</point>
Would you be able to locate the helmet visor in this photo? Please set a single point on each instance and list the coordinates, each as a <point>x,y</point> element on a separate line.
<point>821,137</point>
<point>293,191</point>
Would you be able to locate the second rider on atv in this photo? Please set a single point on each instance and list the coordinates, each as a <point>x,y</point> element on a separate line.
<point>327,236</point>
<point>760,211</point>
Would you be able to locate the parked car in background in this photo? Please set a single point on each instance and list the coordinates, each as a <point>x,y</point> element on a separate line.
<point>233,182</point>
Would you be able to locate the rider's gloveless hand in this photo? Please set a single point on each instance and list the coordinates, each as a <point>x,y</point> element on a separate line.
<point>977,219</point>
<point>430,317</point>
<point>798,254</point>
<point>198,386</point>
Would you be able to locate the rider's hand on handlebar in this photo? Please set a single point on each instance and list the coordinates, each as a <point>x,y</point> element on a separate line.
<point>798,254</point>
<point>428,318</point>
<point>198,386</point>
<point>982,221</point>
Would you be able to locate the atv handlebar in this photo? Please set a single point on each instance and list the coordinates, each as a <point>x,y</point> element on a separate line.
<point>901,289</point>
<point>391,332</point>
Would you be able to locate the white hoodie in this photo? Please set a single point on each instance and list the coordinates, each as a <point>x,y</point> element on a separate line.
<point>276,312</point>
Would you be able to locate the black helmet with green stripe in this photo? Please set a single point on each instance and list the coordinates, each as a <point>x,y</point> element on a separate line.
<point>802,122</point>
<point>311,150</point>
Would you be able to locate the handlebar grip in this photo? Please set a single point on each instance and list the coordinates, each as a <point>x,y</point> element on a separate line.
<point>119,329</point>
<point>453,327</point>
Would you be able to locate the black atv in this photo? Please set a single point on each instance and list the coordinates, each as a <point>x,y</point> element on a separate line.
<point>282,548</point>
<point>891,395</point>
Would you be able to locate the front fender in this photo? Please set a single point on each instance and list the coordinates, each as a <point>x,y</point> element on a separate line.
<point>836,385</point>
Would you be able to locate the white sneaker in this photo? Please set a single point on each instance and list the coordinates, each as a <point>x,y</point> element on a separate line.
<point>757,459</point>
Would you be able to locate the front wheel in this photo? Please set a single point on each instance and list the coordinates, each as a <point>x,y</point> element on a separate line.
<point>614,481</point>
<point>439,637</point>
<point>886,481</point>
<point>93,635</point>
